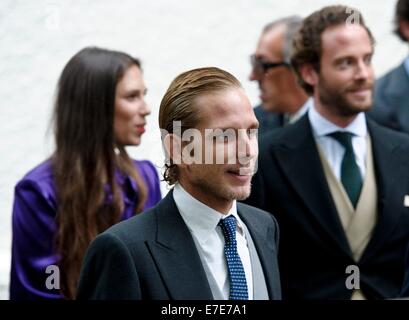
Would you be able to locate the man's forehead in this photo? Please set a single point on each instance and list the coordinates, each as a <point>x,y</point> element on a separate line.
<point>223,108</point>
<point>344,35</point>
<point>342,40</point>
<point>271,41</point>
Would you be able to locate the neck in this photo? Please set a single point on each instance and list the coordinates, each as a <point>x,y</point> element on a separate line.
<point>220,205</point>
<point>296,103</point>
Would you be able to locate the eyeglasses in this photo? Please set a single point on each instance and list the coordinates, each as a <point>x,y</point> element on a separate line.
<point>260,67</point>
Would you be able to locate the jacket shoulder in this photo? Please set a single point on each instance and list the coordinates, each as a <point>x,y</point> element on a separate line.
<point>141,227</point>
<point>392,136</point>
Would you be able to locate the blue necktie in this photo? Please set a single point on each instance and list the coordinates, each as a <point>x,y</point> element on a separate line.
<point>238,283</point>
<point>350,173</point>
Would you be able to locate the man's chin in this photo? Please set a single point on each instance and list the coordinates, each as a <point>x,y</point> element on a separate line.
<point>353,107</point>
<point>362,107</point>
<point>242,194</point>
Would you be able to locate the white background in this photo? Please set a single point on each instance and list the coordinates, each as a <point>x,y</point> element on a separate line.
<point>38,37</point>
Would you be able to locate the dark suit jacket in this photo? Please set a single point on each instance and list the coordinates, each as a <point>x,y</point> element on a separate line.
<point>391,100</point>
<point>314,251</point>
<point>405,287</point>
<point>153,256</point>
<point>268,120</point>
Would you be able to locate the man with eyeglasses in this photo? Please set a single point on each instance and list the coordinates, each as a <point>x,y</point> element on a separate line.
<point>283,100</point>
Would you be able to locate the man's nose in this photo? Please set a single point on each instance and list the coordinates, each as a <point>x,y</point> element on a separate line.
<point>252,75</point>
<point>364,71</point>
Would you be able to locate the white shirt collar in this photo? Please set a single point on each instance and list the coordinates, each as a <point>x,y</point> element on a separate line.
<point>322,127</point>
<point>200,219</point>
<point>297,115</point>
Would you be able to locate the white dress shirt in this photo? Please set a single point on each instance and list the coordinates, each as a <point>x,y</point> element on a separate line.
<point>202,222</point>
<point>333,150</point>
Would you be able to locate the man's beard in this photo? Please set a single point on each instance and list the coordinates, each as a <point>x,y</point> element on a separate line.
<point>337,99</point>
<point>221,192</point>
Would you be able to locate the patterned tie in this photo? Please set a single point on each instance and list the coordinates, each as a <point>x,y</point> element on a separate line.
<point>350,174</point>
<point>238,283</point>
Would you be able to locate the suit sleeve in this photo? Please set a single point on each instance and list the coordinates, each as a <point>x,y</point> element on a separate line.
<point>33,226</point>
<point>277,233</point>
<point>108,272</point>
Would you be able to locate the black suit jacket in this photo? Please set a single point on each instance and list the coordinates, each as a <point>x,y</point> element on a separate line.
<point>391,100</point>
<point>314,252</point>
<point>153,256</point>
<point>267,120</point>
<point>405,287</point>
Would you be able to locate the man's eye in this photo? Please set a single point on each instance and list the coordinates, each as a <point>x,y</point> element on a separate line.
<point>225,137</point>
<point>368,60</point>
<point>345,62</point>
<point>222,138</point>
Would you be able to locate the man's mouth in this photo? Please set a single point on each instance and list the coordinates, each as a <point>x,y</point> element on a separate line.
<point>242,171</point>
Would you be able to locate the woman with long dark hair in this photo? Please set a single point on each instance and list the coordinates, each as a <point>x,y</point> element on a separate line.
<point>90,182</point>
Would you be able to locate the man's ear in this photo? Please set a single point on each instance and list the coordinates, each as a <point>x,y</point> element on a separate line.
<point>404,29</point>
<point>173,147</point>
<point>309,74</point>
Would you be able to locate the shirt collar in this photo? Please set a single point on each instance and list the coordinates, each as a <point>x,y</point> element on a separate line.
<point>322,127</point>
<point>406,65</point>
<point>200,219</point>
<point>297,115</point>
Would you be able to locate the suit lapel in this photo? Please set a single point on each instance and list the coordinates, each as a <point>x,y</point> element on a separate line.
<point>398,95</point>
<point>176,255</point>
<point>298,157</point>
<point>264,246</point>
<point>391,175</point>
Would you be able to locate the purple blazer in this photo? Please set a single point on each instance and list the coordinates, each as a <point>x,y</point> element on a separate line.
<point>34,226</point>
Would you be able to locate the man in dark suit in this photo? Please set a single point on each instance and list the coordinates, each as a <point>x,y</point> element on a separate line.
<point>336,181</point>
<point>283,100</point>
<point>405,287</point>
<point>197,243</point>
<point>391,103</point>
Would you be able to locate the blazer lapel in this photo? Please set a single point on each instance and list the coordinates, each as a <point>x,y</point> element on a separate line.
<point>298,157</point>
<point>392,175</point>
<point>264,245</point>
<point>176,255</point>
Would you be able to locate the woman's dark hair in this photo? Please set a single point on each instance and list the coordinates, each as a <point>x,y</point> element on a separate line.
<point>85,162</point>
